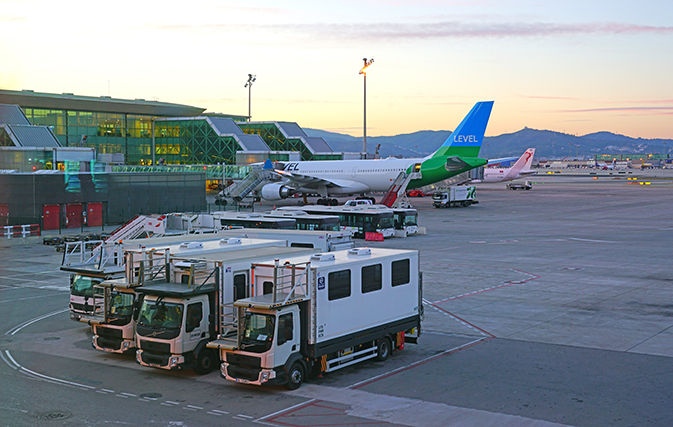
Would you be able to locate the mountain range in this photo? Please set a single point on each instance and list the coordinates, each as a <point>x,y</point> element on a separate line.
<point>548,144</point>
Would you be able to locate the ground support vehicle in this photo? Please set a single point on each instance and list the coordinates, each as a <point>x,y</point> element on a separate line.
<point>358,220</point>
<point>324,241</point>
<point>323,313</point>
<point>93,262</point>
<point>191,305</point>
<point>520,185</point>
<point>458,196</point>
<point>113,315</point>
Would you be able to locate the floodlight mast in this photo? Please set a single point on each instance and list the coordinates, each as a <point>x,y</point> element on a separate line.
<point>248,84</point>
<point>364,73</point>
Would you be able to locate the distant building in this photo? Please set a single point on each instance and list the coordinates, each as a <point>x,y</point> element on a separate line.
<point>145,131</point>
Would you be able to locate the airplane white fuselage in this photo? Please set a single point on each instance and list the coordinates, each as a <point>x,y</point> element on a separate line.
<point>352,176</point>
<point>504,174</point>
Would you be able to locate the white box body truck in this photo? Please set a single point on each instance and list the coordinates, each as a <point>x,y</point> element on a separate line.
<point>180,314</point>
<point>458,196</point>
<point>113,318</point>
<point>323,313</point>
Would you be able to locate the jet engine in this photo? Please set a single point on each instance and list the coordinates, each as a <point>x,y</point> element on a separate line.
<point>276,192</point>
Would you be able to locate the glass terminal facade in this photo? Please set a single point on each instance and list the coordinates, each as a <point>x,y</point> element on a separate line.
<point>182,134</point>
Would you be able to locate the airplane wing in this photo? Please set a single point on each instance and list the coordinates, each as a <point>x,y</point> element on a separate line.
<point>306,181</point>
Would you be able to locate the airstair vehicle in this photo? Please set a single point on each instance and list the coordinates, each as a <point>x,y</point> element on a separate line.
<point>396,195</point>
<point>239,190</point>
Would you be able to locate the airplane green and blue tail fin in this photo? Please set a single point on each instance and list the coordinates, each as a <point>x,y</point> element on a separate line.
<point>466,140</point>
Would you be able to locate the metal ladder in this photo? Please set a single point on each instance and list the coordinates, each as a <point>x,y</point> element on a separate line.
<point>238,191</point>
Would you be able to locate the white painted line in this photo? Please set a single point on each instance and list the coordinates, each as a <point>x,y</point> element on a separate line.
<point>129,394</point>
<point>284,410</point>
<point>213,413</point>
<point>24,299</point>
<point>48,378</point>
<point>121,395</point>
<point>107,391</point>
<point>16,329</point>
<point>220,412</point>
<point>172,403</point>
<point>195,407</point>
<point>11,365</point>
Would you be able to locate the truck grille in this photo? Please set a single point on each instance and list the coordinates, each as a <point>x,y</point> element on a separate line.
<point>109,332</point>
<point>155,347</point>
<point>244,360</point>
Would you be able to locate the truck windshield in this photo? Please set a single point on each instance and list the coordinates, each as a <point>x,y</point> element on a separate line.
<point>258,332</point>
<point>121,308</point>
<point>82,285</point>
<point>160,315</point>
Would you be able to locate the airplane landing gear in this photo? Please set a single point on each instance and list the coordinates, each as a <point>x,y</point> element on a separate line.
<point>327,202</point>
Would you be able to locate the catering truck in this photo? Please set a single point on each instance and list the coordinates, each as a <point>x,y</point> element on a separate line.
<point>116,301</point>
<point>92,262</point>
<point>191,305</point>
<point>322,313</point>
<point>458,196</point>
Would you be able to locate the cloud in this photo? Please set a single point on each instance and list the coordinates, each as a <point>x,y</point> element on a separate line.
<point>432,30</point>
<point>456,29</point>
<point>643,110</point>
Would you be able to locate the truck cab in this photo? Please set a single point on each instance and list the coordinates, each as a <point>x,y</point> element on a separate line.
<point>175,322</point>
<point>114,323</point>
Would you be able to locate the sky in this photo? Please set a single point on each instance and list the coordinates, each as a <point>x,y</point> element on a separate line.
<point>569,66</point>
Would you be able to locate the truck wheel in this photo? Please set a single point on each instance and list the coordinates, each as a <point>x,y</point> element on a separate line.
<point>205,362</point>
<point>383,349</point>
<point>295,376</point>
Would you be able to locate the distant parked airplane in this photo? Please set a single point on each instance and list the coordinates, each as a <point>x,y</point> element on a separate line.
<point>520,169</point>
<point>458,154</point>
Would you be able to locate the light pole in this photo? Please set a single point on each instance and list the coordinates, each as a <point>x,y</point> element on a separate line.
<point>248,84</point>
<point>364,73</point>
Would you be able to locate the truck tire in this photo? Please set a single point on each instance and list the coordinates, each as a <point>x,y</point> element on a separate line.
<point>205,362</point>
<point>295,376</point>
<point>383,349</point>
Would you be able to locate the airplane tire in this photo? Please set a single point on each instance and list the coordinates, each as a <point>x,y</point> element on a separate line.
<point>333,202</point>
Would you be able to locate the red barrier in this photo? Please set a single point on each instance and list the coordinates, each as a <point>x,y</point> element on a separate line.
<point>374,237</point>
<point>20,230</point>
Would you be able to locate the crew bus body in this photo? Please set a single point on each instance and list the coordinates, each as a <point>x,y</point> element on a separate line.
<point>307,221</point>
<point>252,220</point>
<point>359,220</point>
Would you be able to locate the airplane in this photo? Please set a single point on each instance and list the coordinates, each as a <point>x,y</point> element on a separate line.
<point>459,153</point>
<point>520,169</point>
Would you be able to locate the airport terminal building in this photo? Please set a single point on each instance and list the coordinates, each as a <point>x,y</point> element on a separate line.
<point>145,132</point>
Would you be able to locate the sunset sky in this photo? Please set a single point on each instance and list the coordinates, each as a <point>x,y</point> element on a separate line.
<point>570,66</point>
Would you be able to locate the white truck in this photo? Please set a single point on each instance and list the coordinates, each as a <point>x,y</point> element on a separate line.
<point>92,262</point>
<point>323,313</point>
<point>462,195</point>
<point>182,312</point>
<point>113,313</point>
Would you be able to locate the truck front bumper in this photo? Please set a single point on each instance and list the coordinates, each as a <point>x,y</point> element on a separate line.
<point>246,375</point>
<point>170,362</point>
<point>112,345</point>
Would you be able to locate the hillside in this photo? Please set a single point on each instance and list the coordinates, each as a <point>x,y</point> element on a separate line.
<point>548,144</point>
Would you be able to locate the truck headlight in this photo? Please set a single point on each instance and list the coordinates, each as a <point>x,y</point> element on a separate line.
<point>173,361</point>
<point>126,345</point>
<point>265,376</point>
<point>138,357</point>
